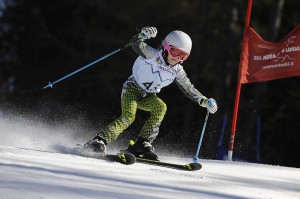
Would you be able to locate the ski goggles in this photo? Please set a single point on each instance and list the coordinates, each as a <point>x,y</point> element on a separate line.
<point>178,54</point>
<point>174,52</point>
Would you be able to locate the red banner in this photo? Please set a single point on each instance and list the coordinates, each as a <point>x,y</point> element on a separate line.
<point>262,60</point>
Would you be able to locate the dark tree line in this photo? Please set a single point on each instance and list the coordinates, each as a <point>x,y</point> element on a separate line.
<point>42,41</point>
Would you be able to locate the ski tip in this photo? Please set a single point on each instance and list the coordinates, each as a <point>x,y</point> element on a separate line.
<point>193,166</point>
<point>126,158</point>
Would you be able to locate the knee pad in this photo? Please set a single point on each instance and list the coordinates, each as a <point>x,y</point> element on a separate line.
<point>162,108</point>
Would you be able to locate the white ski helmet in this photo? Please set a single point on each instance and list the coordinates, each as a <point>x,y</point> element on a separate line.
<point>178,40</point>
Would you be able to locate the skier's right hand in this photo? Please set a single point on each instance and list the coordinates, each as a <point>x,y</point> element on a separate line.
<point>149,32</point>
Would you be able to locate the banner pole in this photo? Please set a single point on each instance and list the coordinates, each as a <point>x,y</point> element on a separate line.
<point>238,89</point>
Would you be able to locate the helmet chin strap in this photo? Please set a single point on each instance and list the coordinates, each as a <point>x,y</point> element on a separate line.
<point>165,55</point>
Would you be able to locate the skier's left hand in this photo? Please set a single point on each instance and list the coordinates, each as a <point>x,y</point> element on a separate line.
<point>149,32</point>
<point>211,105</point>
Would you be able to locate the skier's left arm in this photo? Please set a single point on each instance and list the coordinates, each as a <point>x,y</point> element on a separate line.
<point>191,92</point>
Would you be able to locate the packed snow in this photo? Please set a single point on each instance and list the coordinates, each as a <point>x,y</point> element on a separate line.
<point>35,164</point>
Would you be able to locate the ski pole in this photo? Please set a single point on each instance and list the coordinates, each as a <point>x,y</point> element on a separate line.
<point>50,85</point>
<point>195,158</point>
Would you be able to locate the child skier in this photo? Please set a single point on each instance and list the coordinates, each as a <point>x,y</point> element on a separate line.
<point>152,70</point>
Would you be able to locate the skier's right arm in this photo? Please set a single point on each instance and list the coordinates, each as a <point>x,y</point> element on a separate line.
<point>140,47</point>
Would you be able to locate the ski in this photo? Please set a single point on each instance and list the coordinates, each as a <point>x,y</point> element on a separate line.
<point>123,157</point>
<point>185,167</point>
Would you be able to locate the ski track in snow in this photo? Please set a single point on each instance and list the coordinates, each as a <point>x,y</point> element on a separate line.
<point>30,173</point>
<point>34,164</point>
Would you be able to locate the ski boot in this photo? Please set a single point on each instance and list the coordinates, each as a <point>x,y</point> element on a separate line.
<point>97,144</point>
<point>142,149</point>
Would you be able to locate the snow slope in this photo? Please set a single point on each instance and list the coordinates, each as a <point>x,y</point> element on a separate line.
<point>34,165</point>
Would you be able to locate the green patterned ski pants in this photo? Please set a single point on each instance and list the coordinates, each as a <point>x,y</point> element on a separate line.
<point>134,97</point>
